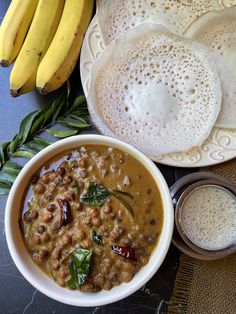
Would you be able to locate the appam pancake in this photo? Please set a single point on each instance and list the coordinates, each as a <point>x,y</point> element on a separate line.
<point>217,30</point>
<point>117,16</point>
<point>155,90</point>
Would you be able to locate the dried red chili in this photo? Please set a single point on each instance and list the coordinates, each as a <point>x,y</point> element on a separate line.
<point>65,211</point>
<point>125,251</point>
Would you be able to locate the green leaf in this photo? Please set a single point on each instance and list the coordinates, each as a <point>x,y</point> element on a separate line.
<point>126,194</point>
<point>123,202</point>
<point>37,123</point>
<point>78,103</point>
<point>42,141</point>
<point>7,177</point>
<point>9,172</point>
<point>97,238</point>
<point>14,143</point>
<point>3,152</point>
<point>33,146</point>
<point>26,124</point>
<point>57,110</point>
<point>79,267</point>
<point>81,112</point>
<point>48,114</point>
<point>60,106</point>
<point>61,133</point>
<point>23,154</point>
<point>12,167</point>
<point>72,124</point>
<point>77,117</point>
<point>4,188</point>
<point>96,195</point>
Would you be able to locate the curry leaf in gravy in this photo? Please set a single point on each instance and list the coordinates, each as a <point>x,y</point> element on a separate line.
<point>96,195</point>
<point>97,238</point>
<point>133,198</point>
<point>79,267</point>
<point>123,202</point>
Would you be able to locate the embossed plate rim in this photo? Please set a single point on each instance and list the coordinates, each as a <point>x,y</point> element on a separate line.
<point>220,145</point>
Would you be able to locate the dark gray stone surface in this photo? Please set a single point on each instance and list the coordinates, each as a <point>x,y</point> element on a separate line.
<point>17,296</point>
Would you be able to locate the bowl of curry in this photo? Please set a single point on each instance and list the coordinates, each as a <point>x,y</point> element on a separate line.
<point>89,220</point>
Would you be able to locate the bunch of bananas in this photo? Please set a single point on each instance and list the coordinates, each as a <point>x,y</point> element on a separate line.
<point>44,38</point>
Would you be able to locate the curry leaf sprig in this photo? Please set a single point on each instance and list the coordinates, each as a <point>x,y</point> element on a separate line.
<point>72,114</point>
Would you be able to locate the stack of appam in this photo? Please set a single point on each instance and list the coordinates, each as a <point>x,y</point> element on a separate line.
<point>167,74</point>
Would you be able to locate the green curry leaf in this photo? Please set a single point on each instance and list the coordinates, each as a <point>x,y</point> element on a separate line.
<point>96,195</point>
<point>4,188</point>
<point>23,154</point>
<point>97,238</point>
<point>123,202</point>
<point>62,133</point>
<point>26,125</point>
<point>79,267</point>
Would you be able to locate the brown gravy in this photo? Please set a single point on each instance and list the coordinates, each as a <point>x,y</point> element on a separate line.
<point>116,238</point>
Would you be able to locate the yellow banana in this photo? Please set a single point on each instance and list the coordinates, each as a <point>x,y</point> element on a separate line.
<point>14,28</point>
<point>28,86</point>
<point>38,39</point>
<point>62,55</point>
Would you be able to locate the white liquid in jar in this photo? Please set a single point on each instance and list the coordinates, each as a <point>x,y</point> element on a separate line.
<point>209,217</point>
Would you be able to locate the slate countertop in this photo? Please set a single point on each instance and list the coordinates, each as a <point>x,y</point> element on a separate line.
<point>17,296</point>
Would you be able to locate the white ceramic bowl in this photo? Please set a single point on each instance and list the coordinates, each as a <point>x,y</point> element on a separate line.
<point>31,271</point>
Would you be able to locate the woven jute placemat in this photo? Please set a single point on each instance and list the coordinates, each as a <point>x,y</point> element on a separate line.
<point>206,287</point>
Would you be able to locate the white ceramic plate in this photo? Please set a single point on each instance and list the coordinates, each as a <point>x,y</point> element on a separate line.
<point>219,147</point>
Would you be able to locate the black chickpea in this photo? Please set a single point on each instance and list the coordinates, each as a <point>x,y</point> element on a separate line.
<point>66,239</point>
<point>107,209</point>
<point>107,285</point>
<point>47,217</point>
<point>39,188</point>
<point>81,235</point>
<point>52,188</point>
<point>51,207</point>
<point>93,212</point>
<point>56,265</point>
<point>37,259</point>
<point>125,276</point>
<point>45,179</point>
<point>96,221</point>
<point>84,173</point>
<point>34,179</point>
<point>62,171</point>
<point>41,229</point>
<point>27,216</point>
<point>79,207</point>
<point>56,253</point>
<point>83,163</point>
<point>45,237</point>
<point>43,253</point>
<point>34,214</point>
